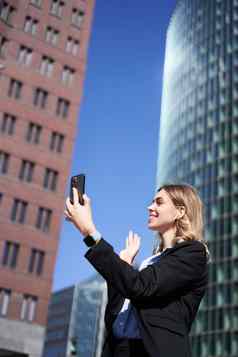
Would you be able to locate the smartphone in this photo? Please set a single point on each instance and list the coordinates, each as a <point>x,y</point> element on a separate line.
<point>77,181</point>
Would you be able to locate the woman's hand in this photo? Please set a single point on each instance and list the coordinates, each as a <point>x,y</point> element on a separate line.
<point>80,215</point>
<point>132,248</point>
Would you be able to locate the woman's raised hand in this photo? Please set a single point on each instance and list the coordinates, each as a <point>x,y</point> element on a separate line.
<point>80,215</point>
<point>132,248</point>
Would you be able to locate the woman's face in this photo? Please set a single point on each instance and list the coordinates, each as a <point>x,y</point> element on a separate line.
<point>162,212</point>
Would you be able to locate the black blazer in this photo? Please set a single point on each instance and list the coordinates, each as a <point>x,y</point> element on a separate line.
<point>166,295</point>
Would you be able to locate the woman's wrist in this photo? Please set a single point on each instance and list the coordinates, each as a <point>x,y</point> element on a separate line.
<point>126,258</point>
<point>129,261</point>
<point>91,231</point>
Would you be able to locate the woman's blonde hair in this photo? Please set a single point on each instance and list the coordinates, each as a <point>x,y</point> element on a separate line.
<point>190,226</point>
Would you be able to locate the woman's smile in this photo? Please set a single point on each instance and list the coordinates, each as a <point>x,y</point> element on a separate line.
<point>153,215</point>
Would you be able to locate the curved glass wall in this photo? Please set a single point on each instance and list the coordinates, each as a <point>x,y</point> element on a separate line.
<point>198,144</point>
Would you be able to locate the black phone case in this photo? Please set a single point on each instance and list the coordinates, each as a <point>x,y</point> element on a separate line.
<point>77,181</point>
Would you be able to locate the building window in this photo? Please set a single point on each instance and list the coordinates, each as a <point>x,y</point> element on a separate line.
<point>36,2</point>
<point>1,197</point>
<point>50,179</point>
<point>47,65</point>
<point>18,213</point>
<point>52,35</point>
<point>31,25</point>
<point>40,98</point>
<point>28,308</point>
<point>5,295</point>
<point>57,8</point>
<point>24,55</point>
<point>4,162</point>
<point>3,46</point>
<point>77,17</point>
<point>33,133</point>
<point>72,46</point>
<point>15,89</point>
<point>6,12</point>
<point>8,123</point>
<point>62,108</point>
<point>68,75</point>
<point>43,219</point>
<point>56,142</point>
<point>36,261</point>
<point>10,254</point>
<point>26,170</point>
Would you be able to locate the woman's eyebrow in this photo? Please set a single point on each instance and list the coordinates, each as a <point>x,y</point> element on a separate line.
<point>158,199</point>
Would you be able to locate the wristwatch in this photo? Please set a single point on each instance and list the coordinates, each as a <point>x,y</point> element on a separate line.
<point>91,240</point>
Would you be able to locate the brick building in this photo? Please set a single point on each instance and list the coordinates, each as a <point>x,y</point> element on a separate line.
<point>43,47</point>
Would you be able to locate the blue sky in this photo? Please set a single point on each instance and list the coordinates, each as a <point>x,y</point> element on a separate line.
<point>117,138</point>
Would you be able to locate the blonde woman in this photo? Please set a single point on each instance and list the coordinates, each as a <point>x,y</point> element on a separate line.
<point>150,310</point>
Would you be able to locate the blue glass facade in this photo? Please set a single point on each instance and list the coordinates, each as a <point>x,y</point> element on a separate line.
<point>58,324</point>
<point>90,299</point>
<point>198,144</point>
<point>75,324</point>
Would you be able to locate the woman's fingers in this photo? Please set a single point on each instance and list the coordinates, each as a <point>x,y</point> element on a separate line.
<point>137,240</point>
<point>71,207</point>
<point>128,239</point>
<point>76,199</point>
<point>68,204</point>
<point>86,199</point>
<point>133,239</point>
<point>75,196</point>
<point>67,215</point>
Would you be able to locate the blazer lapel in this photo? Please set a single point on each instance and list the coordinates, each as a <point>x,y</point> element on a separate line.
<point>175,247</point>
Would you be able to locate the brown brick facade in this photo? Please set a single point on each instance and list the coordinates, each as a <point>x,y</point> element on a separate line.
<point>63,97</point>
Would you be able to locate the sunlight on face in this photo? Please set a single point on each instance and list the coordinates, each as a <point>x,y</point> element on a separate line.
<point>162,212</point>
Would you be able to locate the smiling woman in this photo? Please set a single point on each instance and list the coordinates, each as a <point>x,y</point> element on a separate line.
<point>162,215</point>
<point>189,224</point>
<point>150,311</point>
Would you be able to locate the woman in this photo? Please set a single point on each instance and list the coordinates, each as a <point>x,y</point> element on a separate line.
<point>150,311</point>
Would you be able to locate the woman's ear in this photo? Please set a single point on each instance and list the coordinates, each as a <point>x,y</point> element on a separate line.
<point>181,211</point>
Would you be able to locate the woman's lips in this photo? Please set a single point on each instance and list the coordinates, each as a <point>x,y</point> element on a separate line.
<point>151,216</point>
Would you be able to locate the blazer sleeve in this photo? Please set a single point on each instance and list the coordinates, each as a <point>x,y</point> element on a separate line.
<point>114,304</point>
<point>175,271</point>
<point>114,299</point>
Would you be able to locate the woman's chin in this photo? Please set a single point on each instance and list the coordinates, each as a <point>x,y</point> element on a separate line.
<point>152,227</point>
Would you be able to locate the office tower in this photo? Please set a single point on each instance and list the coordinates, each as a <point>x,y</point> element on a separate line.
<point>43,47</point>
<point>198,145</point>
<point>76,320</point>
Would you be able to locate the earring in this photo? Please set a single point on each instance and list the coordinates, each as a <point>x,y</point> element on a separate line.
<point>177,225</point>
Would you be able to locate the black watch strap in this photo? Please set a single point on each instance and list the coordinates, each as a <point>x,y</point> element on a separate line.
<point>89,241</point>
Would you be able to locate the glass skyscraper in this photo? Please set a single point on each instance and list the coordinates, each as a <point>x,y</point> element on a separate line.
<point>198,144</point>
<point>75,325</point>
